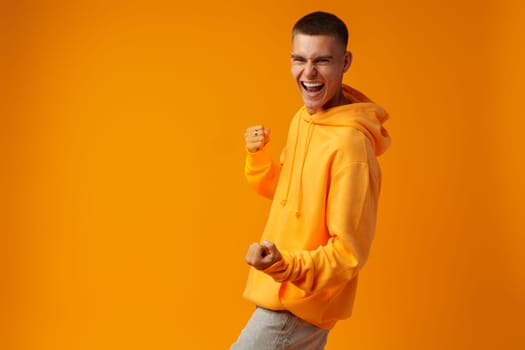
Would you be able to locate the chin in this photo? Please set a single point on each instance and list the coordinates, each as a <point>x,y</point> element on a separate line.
<point>312,107</point>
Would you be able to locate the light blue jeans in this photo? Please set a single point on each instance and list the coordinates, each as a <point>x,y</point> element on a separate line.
<point>279,330</point>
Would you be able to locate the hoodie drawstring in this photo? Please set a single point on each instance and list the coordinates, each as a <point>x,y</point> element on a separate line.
<point>305,153</point>
<point>309,134</point>
<point>285,200</point>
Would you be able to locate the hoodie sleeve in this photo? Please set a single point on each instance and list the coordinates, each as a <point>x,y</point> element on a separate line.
<point>350,217</point>
<point>261,172</point>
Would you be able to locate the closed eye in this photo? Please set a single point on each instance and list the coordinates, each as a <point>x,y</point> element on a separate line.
<point>322,60</point>
<point>298,59</point>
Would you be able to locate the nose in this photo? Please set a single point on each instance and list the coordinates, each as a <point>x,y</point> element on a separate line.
<point>310,71</point>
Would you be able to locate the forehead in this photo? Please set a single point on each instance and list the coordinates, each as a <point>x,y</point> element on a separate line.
<point>315,45</point>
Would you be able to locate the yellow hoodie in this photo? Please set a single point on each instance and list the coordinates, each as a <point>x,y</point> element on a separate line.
<point>325,192</point>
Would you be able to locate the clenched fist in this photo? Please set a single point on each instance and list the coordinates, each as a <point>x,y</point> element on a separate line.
<point>256,137</point>
<point>262,256</point>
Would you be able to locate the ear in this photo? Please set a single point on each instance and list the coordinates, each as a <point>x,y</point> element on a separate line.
<point>348,60</point>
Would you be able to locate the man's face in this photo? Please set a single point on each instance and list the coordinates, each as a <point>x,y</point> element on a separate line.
<point>318,65</point>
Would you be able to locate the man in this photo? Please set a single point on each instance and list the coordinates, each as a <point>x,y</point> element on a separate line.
<point>325,191</point>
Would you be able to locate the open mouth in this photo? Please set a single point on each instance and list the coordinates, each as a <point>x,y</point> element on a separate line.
<point>312,87</point>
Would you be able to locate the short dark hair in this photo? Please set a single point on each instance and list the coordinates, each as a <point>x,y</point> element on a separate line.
<point>322,23</point>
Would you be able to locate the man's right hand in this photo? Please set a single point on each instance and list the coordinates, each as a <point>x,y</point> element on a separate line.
<point>256,137</point>
<point>262,256</point>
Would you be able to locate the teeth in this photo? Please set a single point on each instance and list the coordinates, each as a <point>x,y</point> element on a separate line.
<point>312,85</point>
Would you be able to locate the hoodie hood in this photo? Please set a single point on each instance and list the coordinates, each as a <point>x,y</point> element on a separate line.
<point>361,114</point>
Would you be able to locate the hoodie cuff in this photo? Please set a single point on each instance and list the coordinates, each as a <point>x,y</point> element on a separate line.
<point>259,159</point>
<point>280,270</point>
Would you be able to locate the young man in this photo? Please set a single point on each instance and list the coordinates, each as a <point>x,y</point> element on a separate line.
<point>325,191</point>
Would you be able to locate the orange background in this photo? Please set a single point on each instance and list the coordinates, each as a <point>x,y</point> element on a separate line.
<point>125,215</point>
